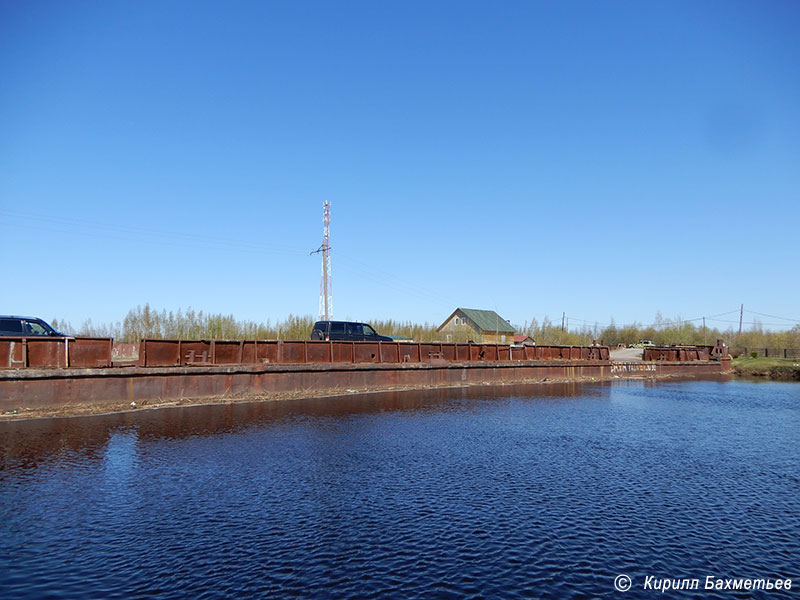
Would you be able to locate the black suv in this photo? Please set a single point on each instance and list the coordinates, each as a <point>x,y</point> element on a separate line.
<point>26,327</point>
<point>346,331</point>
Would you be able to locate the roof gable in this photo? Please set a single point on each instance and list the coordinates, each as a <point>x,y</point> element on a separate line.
<point>487,320</point>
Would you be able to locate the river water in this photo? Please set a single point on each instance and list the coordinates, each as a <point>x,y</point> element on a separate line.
<point>548,491</point>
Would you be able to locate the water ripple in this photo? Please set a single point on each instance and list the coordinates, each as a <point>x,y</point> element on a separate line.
<point>517,493</point>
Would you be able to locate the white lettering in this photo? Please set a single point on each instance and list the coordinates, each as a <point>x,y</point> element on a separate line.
<point>712,582</point>
<point>689,584</point>
<point>651,583</point>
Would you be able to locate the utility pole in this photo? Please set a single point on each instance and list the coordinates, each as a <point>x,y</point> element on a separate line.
<point>704,331</point>
<point>563,316</point>
<point>325,287</point>
<point>741,314</point>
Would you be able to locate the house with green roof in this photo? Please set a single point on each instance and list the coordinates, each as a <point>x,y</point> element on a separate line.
<point>480,326</point>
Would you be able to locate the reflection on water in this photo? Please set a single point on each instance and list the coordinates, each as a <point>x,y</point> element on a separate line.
<point>531,491</point>
<point>36,439</point>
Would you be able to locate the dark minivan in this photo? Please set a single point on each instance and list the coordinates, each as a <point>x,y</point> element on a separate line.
<point>26,327</point>
<point>346,331</point>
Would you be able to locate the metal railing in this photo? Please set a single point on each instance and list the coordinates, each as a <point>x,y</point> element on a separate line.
<point>85,352</point>
<point>677,354</point>
<point>228,352</point>
<point>54,352</point>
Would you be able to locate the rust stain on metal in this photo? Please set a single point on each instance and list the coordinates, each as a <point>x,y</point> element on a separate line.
<point>46,373</point>
<point>163,353</point>
<point>686,353</point>
<point>56,353</point>
<point>52,388</point>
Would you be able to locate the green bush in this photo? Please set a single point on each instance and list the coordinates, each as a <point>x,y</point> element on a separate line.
<point>754,355</point>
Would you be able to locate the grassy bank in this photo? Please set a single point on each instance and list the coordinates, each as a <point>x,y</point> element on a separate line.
<point>785,369</point>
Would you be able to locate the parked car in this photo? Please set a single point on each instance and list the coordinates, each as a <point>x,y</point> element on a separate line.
<point>643,344</point>
<point>26,327</point>
<point>346,331</point>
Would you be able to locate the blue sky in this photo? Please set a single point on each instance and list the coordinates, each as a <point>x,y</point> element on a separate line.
<point>602,159</point>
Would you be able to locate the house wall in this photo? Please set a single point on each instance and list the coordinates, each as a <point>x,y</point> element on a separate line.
<point>454,330</point>
<point>459,331</point>
<point>455,322</point>
<point>491,337</point>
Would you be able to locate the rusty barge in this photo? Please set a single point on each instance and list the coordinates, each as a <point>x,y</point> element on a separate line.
<point>74,375</point>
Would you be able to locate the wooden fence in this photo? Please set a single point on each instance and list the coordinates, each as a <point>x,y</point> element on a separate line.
<point>771,352</point>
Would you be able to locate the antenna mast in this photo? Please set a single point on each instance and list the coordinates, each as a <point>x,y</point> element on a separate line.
<point>325,290</point>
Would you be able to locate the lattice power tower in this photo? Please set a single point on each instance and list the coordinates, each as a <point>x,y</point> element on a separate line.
<point>325,290</point>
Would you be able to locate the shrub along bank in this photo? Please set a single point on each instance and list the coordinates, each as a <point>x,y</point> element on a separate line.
<point>146,322</point>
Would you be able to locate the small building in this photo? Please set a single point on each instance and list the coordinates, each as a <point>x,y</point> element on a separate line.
<point>524,340</point>
<point>479,326</point>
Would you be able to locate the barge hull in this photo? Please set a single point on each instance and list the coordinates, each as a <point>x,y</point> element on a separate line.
<point>63,390</point>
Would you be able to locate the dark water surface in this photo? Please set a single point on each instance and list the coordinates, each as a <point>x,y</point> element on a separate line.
<point>530,492</point>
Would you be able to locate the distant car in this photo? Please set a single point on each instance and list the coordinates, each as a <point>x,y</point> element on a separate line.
<point>26,327</point>
<point>643,344</point>
<point>346,331</point>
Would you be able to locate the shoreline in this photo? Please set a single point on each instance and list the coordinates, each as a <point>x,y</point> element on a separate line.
<point>770,369</point>
<point>75,410</point>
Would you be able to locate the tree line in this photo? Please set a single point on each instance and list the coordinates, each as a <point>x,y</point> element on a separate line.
<point>146,322</point>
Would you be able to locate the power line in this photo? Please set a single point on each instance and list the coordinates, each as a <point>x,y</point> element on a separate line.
<point>661,324</point>
<point>752,312</point>
<point>753,323</point>
<point>730,312</point>
<point>389,279</point>
<point>142,234</point>
<point>714,318</point>
<point>179,239</point>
